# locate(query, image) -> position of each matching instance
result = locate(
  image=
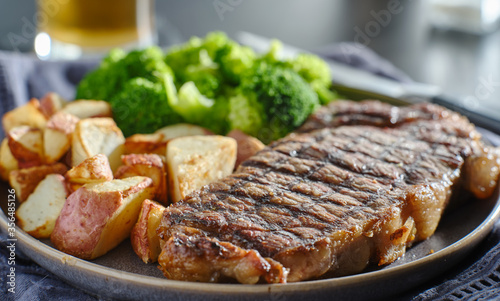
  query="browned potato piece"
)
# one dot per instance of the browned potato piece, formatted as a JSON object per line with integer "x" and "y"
{"x": 182, "y": 130}
{"x": 195, "y": 161}
{"x": 24, "y": 181}
{"x": 37, "y": 215}
{"x": 57, "y": 136}
{"x": 94, "y": 136}
{"x": 28, "y": 114}
{"x": 51, "y": 103}
{"x": 145, "y": 144}
{"x": 247, "y": 145}
{"x": 88, "y": 108}
{"x": 95, "y": 169}
{"x": 148, "y": 165}
{"x": 143, "y": 238}
{"x": 8, "y": 162}
{"x": 156, "y": 142}
{"x": 26, "y": 145}
{"x": 99, "y": 216}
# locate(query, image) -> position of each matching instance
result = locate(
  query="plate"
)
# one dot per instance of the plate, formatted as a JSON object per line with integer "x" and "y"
{"x": 121, "y": 274}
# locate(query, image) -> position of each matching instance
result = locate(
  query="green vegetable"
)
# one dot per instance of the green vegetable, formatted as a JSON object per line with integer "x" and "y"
{"x": 234, "y": 60}
{"x": 142, "y": 107}
{"x": 271, "y": 102}
{"x": 316, "y": 72}
{"x": 189, "y": 102}
{"x": 213, "y": 82}
{"x": 117, "y": 68}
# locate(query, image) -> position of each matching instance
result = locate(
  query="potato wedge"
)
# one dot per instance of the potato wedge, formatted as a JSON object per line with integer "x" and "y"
{"x": 25, "y": 180}
{"x": 88, "y": 108}
{"x": 182, "y": 130}
{"x": 26, "y": 145}
{"x": 95, "y": 169}
{"x": 145, "y": 144}
{"x": 28, "y": 114}
{"x": 156, "y": 143}
{"x": 38, "y": 214}
{"x": 51, "y": 103}
{"x": 94, "y": 136}
{"x": 57, "y": 136}
{"x": 147, "y": 165}
{"x": 247, "y": 145}
{"x": 97, "y": 217}
{"x": 144, "y": 240}
{"x": 8, "y": 162}
{"x": 195, "y": 161}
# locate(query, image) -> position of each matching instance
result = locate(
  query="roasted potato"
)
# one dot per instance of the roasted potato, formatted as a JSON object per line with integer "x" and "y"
{"x": 195, "y": 161}
{"x": 88, "y": 108}
{"x": 95, "y": 169}
{"x": 147, "y": 165}
{"x": 143, "y": 238}
{"x": 25, "y": 180}
{"x": 57, "y": 136}
{"x": 38, "y": 214}
{"x": 99, "y": 216}
{"x": 28, "y": 114}
{"x": 26, "y": 145}
{"x": 94, "y": 136}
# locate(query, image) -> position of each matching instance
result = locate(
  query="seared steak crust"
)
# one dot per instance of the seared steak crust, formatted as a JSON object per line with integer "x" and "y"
{"x": 358, "y": 183}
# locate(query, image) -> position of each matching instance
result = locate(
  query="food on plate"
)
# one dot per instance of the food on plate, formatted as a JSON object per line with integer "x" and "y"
{"x": 142, "y": 107}
{"x": 28, "y": 114}
{"x": 8, "y": 162}
{"x": 195, "y": 161}
{"x": 357, "y": 184}
{"x": 25, "y": 180}
{"x": 98, "y": 216}
{"x": 156, "y": 143}
{"x": 26, "y": 145}
{"x": 57, "y": 136}
{"x": 147, "y": 165}
{"x": 194, "y": 83}
{"x": 37, "y": 215}
{"x": 271, "y": 102}
{"x": 88, "y": 108}
{"x": 51, "y": 103}
{"x": 144, "y": 240}
{"x": 95, "y": 169}
{"x": 94, "y": 136}
{"x": 247, "y": 146}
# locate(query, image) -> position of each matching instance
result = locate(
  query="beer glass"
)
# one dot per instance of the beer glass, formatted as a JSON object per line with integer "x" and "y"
{"x": 71, "y": 29}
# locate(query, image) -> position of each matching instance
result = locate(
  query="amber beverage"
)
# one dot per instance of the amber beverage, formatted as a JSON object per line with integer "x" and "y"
{"x": 97, "y": 25}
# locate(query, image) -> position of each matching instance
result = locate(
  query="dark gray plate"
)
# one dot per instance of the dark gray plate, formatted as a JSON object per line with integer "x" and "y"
{"x": 121, "y": 274}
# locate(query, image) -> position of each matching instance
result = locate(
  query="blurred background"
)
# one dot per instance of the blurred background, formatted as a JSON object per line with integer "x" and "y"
{"x": 429, "y": 40}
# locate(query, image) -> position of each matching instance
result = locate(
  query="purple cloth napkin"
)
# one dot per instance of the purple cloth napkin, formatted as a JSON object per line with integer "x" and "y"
{"x": 23, "y": 77}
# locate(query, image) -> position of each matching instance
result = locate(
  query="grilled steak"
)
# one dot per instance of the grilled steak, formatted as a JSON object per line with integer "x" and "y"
{"x": 358, "y": 183}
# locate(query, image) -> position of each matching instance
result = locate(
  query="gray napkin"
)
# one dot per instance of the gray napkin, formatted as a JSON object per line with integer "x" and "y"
{"x": 23, "y": 77}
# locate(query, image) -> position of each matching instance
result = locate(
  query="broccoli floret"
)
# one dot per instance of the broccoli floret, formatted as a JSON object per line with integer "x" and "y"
{"x": 271, "y": 102}
{"x": 99, "y": 84}
{"x": 142, "y": 107}
{"x": 189, "y": 54}
{"x": 118, "y": 68}
{"x": 146, "y": 63}
{"x": 316, "y": 72}
{"x": 189, "y": 102}
{"x": 273, "y": 56}
{"x": 113, "y": 56}
{"x": 234, "y": 60}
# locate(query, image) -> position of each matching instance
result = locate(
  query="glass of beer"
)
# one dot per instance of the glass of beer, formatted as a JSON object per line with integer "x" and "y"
{"x": 71, "y": 29}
